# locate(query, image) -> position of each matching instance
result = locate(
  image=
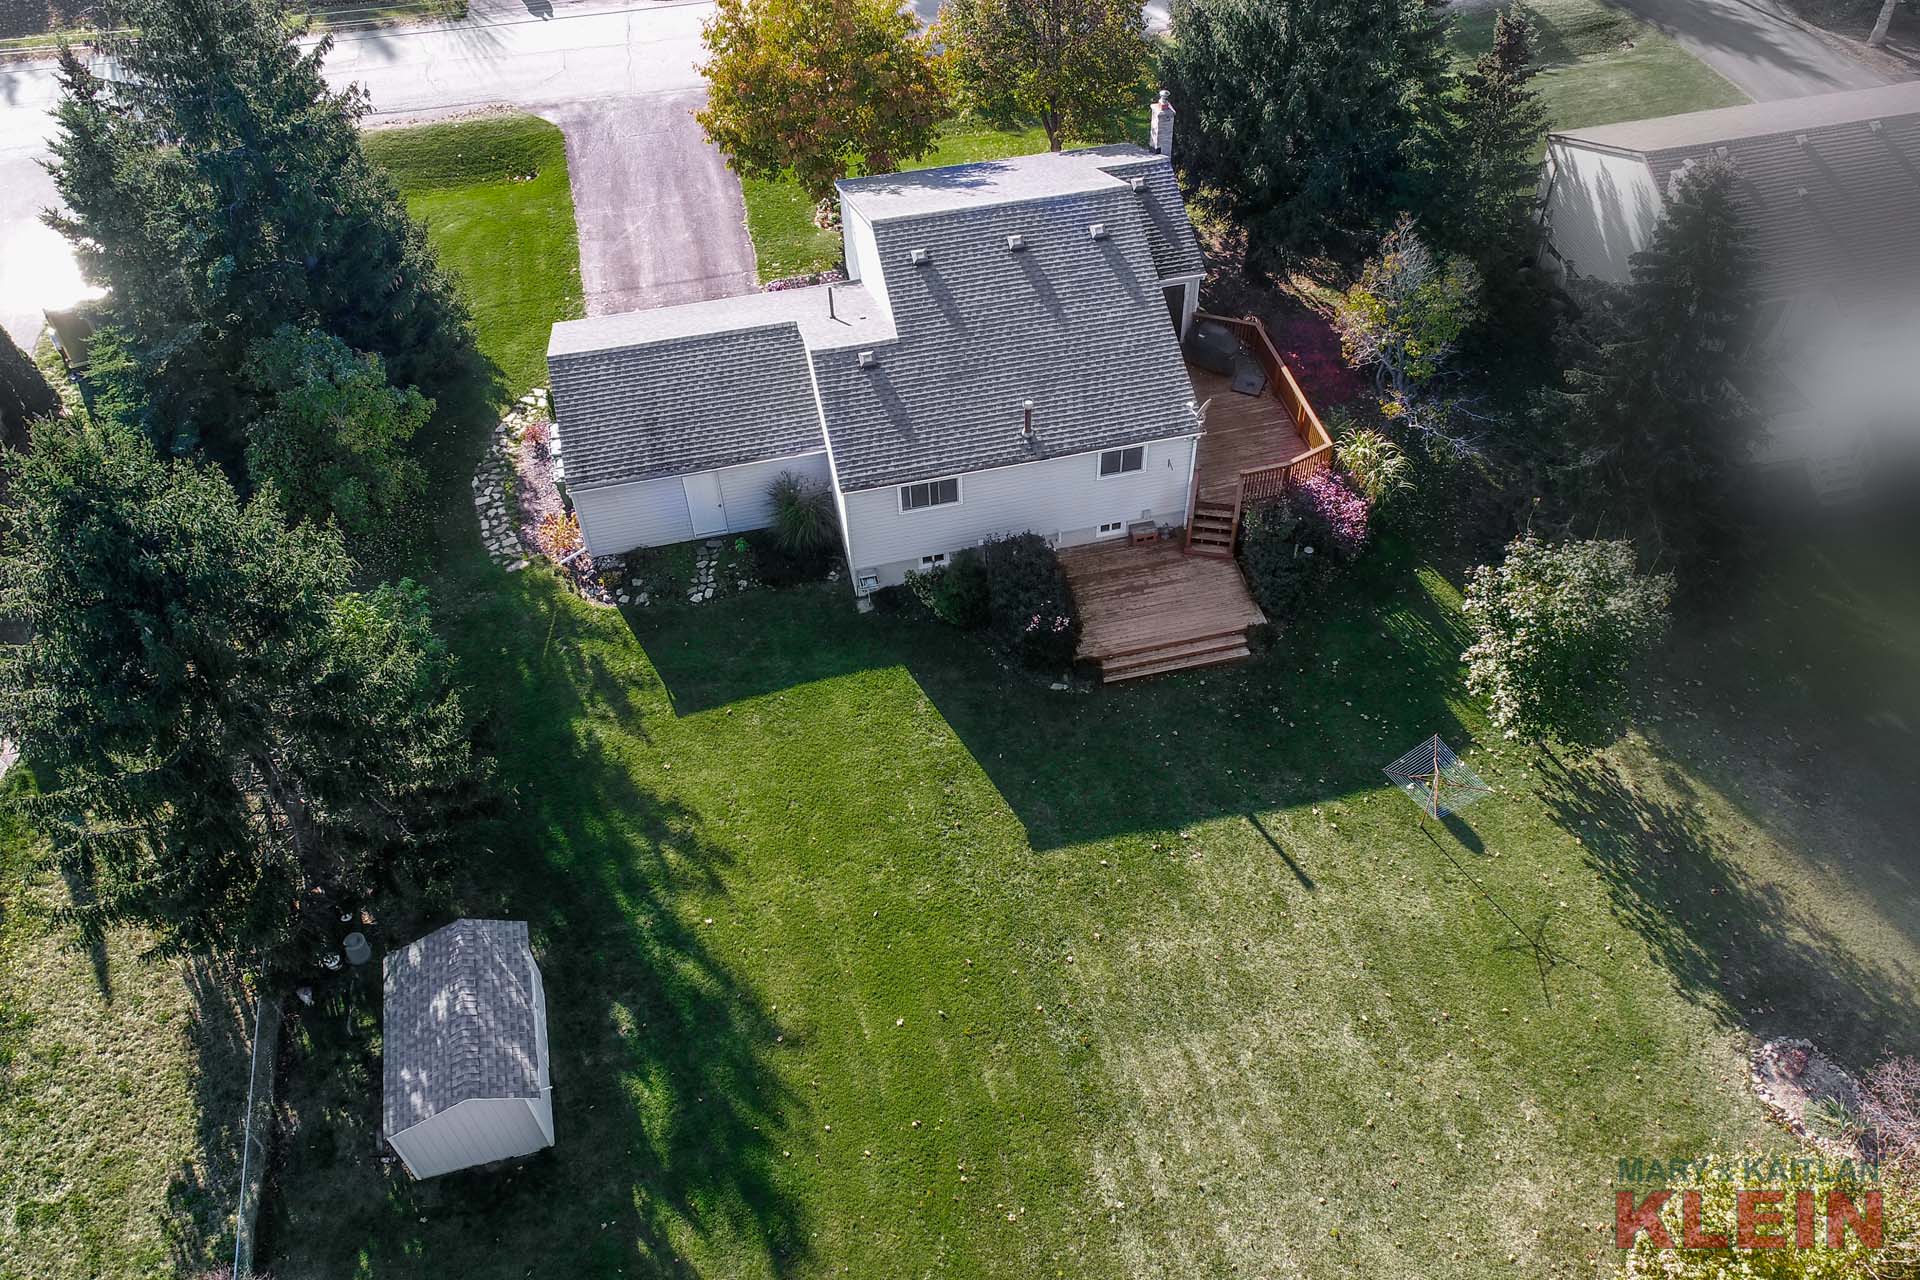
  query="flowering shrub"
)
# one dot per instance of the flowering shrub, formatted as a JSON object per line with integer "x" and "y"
{"x": 1555, "y": 629}
{"x": 559, "y": 536}
{"x": 1333, "y": 515}
{"x": 1030, "y": 610}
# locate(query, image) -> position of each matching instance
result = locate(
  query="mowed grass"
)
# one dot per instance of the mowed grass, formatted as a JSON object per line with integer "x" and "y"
{"x": 780, "y": 216}
{"x": 494, "y": 197}
{"x": 866, "y": 956}
{"x": 1600, "y": 64}
{"x": 122, "y": 1084}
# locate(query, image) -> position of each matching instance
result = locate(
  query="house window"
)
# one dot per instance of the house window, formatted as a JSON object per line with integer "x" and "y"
{"x": 938, "y": 557}
{"x": 1118, "y": 462}
{"x": 1113, "y": 529}
{"x": 930, "y": 493}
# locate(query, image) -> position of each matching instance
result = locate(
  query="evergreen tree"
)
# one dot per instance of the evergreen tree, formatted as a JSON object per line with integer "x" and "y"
{"x": 332, "y": 435}
{"x": 1657, "y": 428}
{"x": 1499, "y": 126}
{"x": 24, "y": 394}
{"x": 217, "y": 186}
{"x": 1312, "y": 118}
{"x": 234, "y": 747}
{"x": 1073, "y": 67}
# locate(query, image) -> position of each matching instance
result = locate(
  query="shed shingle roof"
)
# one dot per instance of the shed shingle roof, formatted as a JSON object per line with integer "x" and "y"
{"x": 458, "y": 1021}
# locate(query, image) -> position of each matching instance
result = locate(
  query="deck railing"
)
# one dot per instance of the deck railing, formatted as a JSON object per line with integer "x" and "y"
{"x": 1269, "y": 479}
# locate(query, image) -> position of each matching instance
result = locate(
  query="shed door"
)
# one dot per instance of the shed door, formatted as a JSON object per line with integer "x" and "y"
{"x": 708, "y": 512}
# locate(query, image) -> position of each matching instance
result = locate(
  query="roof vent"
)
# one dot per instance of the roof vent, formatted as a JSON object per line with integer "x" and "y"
{"x": 1800, "y": 139}
{"x": 1874, "y": 126}
{"x": 1016, "y": 242}
{"x": 919, "y": 257}
{"x": 1026, "y": 419}
{"x": 867, "y": 360}
{"x": 1139, "y": 185}
{"x": 1722, "y": 152}
{"x": 1097, "y": 231}
{"x": 1802, "y": 192}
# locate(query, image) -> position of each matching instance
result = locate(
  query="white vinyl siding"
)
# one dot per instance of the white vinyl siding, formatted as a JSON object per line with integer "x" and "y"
{"x": 653, "y": 513}
{"x": 1059, "y": 497}
{"x": 474, "y": 1132}
{"x": 1602, "y": 209}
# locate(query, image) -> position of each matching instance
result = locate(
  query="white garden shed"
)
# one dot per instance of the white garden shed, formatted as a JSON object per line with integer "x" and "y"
{"x": 464, "y": 1033}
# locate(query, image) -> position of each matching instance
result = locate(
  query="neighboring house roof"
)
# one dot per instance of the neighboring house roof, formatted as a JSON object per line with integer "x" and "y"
{"x": 1829, "y": 184}
{"x": 459, "y": 1021}
{"x": 1076, "y": 324}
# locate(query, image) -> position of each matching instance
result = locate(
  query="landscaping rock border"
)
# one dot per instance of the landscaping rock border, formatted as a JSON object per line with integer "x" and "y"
{"x": 499, "y": 520}
{"x": 1790, "y": 1076}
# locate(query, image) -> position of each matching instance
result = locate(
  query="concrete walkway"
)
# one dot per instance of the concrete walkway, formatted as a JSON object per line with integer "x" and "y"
{"x": 1755, "y": 46}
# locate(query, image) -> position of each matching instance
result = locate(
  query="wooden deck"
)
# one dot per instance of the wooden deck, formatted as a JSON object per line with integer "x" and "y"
{"x": 1148, "y": 610}
{"x": 1243, "y": 433}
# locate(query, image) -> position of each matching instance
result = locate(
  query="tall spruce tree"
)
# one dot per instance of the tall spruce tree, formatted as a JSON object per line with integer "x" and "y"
{"x": 1656, "y": 424}
{"x": 24, "y": 394}
{"x": 233, "y": 747}
{"x": 1499, "y": 126}
{"x": 1314, "y": 119}
{"x": 217, "y": 186}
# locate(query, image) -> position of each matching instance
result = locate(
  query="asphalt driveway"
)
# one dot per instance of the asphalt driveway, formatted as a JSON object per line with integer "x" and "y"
{"x": 661, "y": 218}
{"x": 1750, "y": 43}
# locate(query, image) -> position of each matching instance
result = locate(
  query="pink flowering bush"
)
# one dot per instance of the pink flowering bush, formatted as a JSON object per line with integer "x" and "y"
{"x": 1331, "y": 511}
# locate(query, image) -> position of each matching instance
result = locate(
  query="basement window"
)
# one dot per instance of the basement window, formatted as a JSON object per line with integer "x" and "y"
{"x": 937, "y": 558}
{"x": 1112, "y": 529}
{"x": 930, "y": 493}
{"x": 1118, "y": 462}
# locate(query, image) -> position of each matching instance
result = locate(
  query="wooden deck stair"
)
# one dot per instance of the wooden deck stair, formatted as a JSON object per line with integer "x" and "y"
{"x": 1146, "y": 611}
{"x": 1210, "y": 529}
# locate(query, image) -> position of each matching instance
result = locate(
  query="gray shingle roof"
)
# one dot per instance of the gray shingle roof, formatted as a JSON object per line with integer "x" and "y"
{"x": 1829, "y": 185}
{"x": 693, "y": 402}
{"x": 1077, "y": 325}
{"x": 458, "y": 1021}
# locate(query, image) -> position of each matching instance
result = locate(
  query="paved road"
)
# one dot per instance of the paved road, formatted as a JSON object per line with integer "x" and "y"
{"x": 634, "y": 64}
{"x": 1751, "y": 44}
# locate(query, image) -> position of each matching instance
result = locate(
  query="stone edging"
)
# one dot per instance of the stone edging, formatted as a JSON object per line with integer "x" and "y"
{"x": 500, "y": 525}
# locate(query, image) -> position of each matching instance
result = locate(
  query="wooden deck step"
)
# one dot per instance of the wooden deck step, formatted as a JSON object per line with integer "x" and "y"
{"x": 1210, "y": 529}
{"x": 1175, "y": 657}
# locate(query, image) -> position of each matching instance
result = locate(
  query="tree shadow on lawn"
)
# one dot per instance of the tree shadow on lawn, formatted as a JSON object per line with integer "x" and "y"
{"x": 1341, "y": 695}
{"x": 202, "y": 1196}
{"x": 666, "y": 1113}
{"x": 1733, "y": 944}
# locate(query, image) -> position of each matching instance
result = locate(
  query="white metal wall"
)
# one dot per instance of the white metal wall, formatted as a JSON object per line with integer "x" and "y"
{"x": 1602, "y": 209}
{"x": 474, "y": 1132}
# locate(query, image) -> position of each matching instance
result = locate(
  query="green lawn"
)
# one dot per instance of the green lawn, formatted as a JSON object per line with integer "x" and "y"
{"x": 864, "y": 956}
{"x": 780, "y": 217}
{"x": 494, "y": 196}
{"x": 1601, "y": 64}
{"x": 122, "y": 1083}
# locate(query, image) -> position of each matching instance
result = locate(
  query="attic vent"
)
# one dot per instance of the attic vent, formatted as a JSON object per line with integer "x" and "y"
{"x": 1801, "y": 192}
{"x": 1098, "y": 231}
{"x": 1016, "y": 242}
{"x": 1874, "y": 126}
{"x": 1139, "y": 185}
{"x": 919, "y": 257}
{"x": 1722, "y": 152}
{"x": 1800, "y": 139}
{"x": 866, "y": 360}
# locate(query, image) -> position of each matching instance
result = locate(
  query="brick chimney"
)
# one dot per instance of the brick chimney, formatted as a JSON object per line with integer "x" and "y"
{"x": 1160, "y": 131}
